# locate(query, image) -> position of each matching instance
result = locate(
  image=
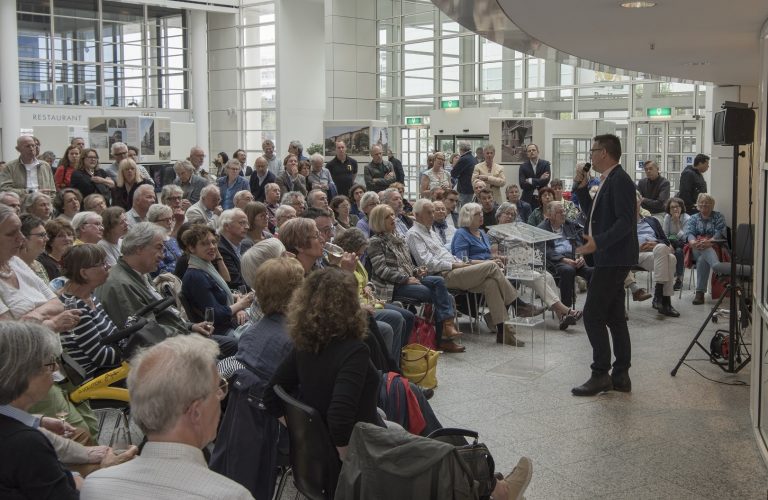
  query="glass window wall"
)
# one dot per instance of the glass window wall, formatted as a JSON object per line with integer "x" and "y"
{"x": 104, "y": 53}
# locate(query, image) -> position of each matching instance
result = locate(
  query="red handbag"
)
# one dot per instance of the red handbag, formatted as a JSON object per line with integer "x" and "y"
{"x": 424, "y": 330}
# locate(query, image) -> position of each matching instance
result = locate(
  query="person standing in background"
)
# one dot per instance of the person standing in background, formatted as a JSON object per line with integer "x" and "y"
{"x": 692, "y": 183}
{"x": 534, "y": 174}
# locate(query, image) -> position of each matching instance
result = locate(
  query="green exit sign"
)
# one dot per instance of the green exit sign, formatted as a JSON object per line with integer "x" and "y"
{"x": 659, "y": 111}
{"x": 413, "y": 120}
{"x": 449, "y": 104}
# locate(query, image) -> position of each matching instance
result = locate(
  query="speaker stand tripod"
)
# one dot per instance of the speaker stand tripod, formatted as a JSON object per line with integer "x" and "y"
{"x": 737, "y": 349}
{"x": 738, "y": 306}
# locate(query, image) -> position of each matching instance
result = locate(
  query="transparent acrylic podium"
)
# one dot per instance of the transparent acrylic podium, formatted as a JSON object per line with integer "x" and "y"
{"x": 526, "y": 260}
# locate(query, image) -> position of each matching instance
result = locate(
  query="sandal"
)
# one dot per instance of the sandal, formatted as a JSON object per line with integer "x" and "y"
{"x": 570, "y": 319}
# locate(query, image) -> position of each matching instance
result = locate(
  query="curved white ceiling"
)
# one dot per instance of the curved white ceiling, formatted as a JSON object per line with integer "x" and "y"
{"x": 697, "y": 40}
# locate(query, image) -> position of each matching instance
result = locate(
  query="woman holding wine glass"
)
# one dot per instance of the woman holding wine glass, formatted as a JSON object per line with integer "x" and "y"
{"x": 204, "y": 288}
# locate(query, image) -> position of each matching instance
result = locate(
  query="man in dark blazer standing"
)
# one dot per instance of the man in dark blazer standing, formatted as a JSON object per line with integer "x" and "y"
{"x": 534, "y": 174}
{"x": 611, "y": 240}
{"x": 462, "y": 172}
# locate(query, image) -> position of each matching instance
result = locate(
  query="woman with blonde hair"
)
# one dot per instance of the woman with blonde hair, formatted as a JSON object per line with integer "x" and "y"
{"x": 395, "y": 275}
{"x": 437, "y": 176}
{"x": 129, "y": 178}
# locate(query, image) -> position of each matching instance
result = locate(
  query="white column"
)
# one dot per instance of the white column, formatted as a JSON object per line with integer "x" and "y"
{"x": 10, "y": 112}
{"x": 198, "y": 53}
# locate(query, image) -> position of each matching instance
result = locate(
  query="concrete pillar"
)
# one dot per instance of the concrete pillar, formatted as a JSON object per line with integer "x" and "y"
{"x": 198, "y": 53}
{"x": 10, "y": 112}
{"x": 350, "y": 58}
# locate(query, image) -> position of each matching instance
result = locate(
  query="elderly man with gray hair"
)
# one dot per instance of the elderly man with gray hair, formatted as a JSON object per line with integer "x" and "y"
{"x": 143, "y": 198}
{"x": 233, "y": 228}
{"x": 12, "y": 200}
{"x": 463, "y": 171}
{"x": 127, "y": 288}
{"x": 190, "y": 183}
{"x": 176, "y": 396}
{"x": 296, "y": 200}
{"x": 319, "y": 176}
{"x": 207, "y": 210}
{"x": 297, "y": 149}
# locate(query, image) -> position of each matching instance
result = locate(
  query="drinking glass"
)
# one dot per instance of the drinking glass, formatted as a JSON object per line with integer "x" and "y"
{"x": 209, "y": 315}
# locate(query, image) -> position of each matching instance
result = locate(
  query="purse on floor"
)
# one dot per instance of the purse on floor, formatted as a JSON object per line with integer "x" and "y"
{"x": 475, "y": 455}
{"x": 419, "y": 365}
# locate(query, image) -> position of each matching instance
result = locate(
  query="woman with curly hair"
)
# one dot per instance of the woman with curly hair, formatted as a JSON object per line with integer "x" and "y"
{"x": 329, "y": 359}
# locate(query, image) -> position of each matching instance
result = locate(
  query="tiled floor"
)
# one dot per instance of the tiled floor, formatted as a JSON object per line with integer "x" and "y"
{"x": 672, "y": 437}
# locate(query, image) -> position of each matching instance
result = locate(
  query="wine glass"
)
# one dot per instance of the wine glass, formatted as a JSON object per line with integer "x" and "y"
{"x": 121, "y": 440}
{"x": 465, "y": 257}
{"x": 70, "y": 303}
{"x": 209, "y": 315}
{"x": 334, "y": 252}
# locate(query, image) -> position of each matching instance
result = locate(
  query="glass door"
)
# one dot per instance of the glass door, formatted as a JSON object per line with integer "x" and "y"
{"x": 671, "y": 144}
{"x": 414, "y": 145}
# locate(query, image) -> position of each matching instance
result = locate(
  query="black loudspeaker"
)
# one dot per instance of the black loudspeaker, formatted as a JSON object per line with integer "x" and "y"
{"x": 734, "y": 127}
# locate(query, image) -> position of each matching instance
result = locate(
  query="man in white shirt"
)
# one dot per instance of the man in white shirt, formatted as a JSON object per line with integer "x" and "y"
{"x": 478, "y": 276}
{"x": 207, "y": 210}
{"x": 27, "y": 174}
{"x": 176, "y": 396}
{"x": 143, "y": 198}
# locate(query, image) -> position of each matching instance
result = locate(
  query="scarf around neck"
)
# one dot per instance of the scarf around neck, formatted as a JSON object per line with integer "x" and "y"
{"x": 196, "y": 262}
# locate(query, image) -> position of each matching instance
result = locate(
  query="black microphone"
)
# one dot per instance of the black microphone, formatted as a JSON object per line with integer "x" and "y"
{"x": 587, "y": 166}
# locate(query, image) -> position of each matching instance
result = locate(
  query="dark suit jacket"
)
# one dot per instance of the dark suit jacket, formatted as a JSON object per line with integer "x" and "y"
{"x": 526, "y": 172}
{"x": 656, "y": 192}
{"x": 571, "y": 232}
{"x": 463, "y": 172}
{"x": 257, "y": 190}
{"x": 232, "y": 262}
{"x": 398, "y": 166}
{"x": 614, "y": 220}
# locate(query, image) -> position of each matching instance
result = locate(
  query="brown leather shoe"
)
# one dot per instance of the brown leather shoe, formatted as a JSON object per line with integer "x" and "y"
{"x": 529, "y": 310}
{"x": 449, "y": 330}
{"x": 510, "y": 339}
{"x": 698, "y": 299}
{"x": 640, "y": 295}
{"x": 450, "y": 346}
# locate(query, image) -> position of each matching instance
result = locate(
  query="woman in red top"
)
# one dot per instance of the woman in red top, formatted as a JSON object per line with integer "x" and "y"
{"x": 67, "y": 165}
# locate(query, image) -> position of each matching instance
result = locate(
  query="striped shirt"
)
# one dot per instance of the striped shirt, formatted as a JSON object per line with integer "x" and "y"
{"x": 83, "y": 344}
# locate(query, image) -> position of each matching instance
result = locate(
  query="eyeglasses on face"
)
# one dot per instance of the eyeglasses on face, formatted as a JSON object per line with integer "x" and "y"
{"x": 52, "y": 366}
{"x": 223, "y": 388}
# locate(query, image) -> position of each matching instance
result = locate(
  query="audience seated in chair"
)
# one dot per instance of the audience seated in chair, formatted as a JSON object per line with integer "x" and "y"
{"x": 479, "y": 276}
{"x": 561, "y": 253}
{"x": 395, "y": 276}
{"x": 127, "y": 289}
{"x": 674, "y": 227}
{"x": 705, "y": 231}
{"x": 204, "y": 288}
{"x": 657, "y": 255}
{"x": 176, "y": 396}
{"x": 252, "y": 462}
{"x": 471, "y": 241}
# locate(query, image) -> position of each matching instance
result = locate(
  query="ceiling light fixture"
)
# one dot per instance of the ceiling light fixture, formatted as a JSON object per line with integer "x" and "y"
{"x": 638, "y": 5}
